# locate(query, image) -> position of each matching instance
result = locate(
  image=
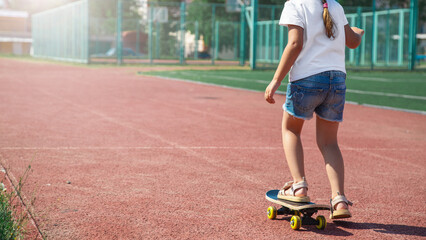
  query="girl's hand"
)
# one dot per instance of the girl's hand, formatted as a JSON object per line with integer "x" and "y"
{"x": 270, "y": 91}
{"x": 353, "y": 36}
{"x": 358, "y": 31}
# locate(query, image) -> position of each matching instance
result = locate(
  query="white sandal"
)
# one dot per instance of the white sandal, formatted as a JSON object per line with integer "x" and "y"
{"x": 293, "y": 187}
{"x": 341, "y": 213}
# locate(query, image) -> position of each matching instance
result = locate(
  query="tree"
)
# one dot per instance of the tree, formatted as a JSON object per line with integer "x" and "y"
{"x": 202, "y": 12}
{"x": 103, "y": 15}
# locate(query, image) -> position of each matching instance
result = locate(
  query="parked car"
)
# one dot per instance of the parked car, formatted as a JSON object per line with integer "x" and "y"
{"x": 126, "y": 52}
{"x": 201, "y": 55}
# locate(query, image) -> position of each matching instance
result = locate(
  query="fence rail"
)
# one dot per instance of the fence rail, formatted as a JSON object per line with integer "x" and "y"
{"x": 127, "y": 31}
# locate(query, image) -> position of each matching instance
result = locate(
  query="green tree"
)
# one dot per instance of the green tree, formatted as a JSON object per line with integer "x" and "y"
{"x": 103, "y": 14}
{"x": 201, "y": 11}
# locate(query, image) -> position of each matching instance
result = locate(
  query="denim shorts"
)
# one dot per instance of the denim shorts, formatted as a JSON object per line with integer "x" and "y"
{"x": 322, "y": 93}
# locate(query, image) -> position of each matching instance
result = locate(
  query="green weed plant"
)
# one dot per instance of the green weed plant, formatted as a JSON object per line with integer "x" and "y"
{"x": 13, "y": 217}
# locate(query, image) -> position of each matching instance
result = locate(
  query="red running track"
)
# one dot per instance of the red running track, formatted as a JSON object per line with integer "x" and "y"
{"x": 120, "y": 156}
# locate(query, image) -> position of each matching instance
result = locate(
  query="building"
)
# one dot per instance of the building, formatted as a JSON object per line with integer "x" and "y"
{"x": 15, "y": 34}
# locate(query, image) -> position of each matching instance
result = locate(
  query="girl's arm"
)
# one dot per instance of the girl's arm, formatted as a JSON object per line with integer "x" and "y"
{"x": 353, "y": 36}
{"x": 290, "y": 54}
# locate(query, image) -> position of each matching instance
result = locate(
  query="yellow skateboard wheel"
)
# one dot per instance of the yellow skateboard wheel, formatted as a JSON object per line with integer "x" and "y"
{"x": 272, "y": 212}
{"x": 295, "y": 222}
{"x": 322, "y": 223}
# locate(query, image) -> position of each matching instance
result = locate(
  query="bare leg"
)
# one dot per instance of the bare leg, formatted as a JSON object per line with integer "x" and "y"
{"x": 327, "y": 143}
{"x": 291, "y": 129}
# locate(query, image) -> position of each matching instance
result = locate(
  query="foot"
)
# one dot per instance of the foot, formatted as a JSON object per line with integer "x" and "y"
{"x": 339, "y": 207}
{"x": 296, "y": 192}
{"x": 301, "y": 192}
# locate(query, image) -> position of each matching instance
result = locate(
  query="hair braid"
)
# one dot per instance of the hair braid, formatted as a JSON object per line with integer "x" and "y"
{"x": 328, "y": 21}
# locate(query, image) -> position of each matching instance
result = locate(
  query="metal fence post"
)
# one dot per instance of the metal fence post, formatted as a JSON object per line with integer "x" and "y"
{"x": 387, "y": 54}
{"x": 358, "y": 49}
{"x": 267, "y": 41}
{"x": 213, "y": 32}
{"x": 373, "y": 43}
{"x": 157, "y": 39}
{"x": 274, "y": 37}
{"x": 182, "y": 33}
{"x": 87, "y": 32}
{"x": 150, "y": 20}
{"x": 95, "y": 30}
{"x": 281, "y": 42}
{"x": 196, "y": 41}
{"x": 235, "y": 41}
{"x": 216, "y": 41}
{"x": 375, "y": 37}
{"x": 412, "y": 47}
{"x": 401, "y": 39}
{"x": 119, "y": 45}
{"x": 242, "y": 35}
{"x": 253, "y": 34}
{"x": 138, "y": 33}
{"x": 73, "y": 35}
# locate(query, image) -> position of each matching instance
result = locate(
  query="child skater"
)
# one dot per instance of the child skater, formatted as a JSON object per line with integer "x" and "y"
{"x": 315, "y": 56}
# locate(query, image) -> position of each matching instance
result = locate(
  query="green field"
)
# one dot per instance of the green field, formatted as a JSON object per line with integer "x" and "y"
{"x": 402, "y": 90}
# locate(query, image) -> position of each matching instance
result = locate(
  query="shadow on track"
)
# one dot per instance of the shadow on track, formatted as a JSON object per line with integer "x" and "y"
{"x": 337, "y": 228}
{"x": 385, "y": 228}
{"x": 331, "y": 229}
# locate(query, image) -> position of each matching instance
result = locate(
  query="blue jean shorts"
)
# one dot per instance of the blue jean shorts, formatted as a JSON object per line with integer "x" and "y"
{"x": 322, "y": 93}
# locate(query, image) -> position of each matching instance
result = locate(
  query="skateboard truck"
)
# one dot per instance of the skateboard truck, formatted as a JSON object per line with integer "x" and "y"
{"x": 304, "y": 215}
{"x": 301, "y": 212}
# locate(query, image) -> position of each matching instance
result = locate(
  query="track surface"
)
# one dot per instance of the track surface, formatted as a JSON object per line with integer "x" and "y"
{"x": 150, "y": 158}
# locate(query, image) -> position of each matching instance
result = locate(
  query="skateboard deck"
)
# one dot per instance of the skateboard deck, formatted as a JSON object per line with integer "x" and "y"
{"x": 302, "y": 212}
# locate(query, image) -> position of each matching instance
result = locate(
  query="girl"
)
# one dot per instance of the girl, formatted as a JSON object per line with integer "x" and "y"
{"x": 315, "y": 56}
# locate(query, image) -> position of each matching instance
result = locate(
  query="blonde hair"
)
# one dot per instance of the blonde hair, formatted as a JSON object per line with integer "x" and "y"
{"x": 328, "y": 21}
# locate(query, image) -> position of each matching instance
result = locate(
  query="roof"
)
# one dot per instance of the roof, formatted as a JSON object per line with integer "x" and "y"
{"x": 12, "y": 13}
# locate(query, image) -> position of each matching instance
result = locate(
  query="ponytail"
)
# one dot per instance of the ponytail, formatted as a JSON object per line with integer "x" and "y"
{"x": 328, "y": 21}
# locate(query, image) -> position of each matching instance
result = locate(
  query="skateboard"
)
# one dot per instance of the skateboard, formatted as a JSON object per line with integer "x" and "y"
{"x": 301, "y": 212}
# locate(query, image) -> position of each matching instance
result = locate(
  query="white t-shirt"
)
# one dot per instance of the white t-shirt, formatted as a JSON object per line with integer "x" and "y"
{"x": 319, "y": 53}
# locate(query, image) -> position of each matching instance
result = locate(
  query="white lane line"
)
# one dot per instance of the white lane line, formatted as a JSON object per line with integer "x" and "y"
{"x": 376, "y": 79}
{"x": 203, "y": 83}
{"x": 283, "y": 93}
{"x": 209, "y": 113}
{"x": 368, "y": 79}
{"x": 226, "y": 77}
{"x": 386, "y": 158}
{"x": 212, "y": 161}
{"x": 386, "y": 94}
{"x": 137, "y": 147}
{"x": 192, "y": 147}
{"x": 392, "y": 108}
{"x": 349, "y": 77}
{"x": 284, "y": 84}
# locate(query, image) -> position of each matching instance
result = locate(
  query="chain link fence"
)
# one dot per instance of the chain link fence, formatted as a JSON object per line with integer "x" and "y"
{"x": 133, "y": 31}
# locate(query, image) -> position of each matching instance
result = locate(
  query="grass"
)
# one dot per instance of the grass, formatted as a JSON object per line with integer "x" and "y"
{"x": 13, "y": 218}
{"x": 9, "y": 227}
{"x": 396, "y": 89}
{"x": 403, "y": 89}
